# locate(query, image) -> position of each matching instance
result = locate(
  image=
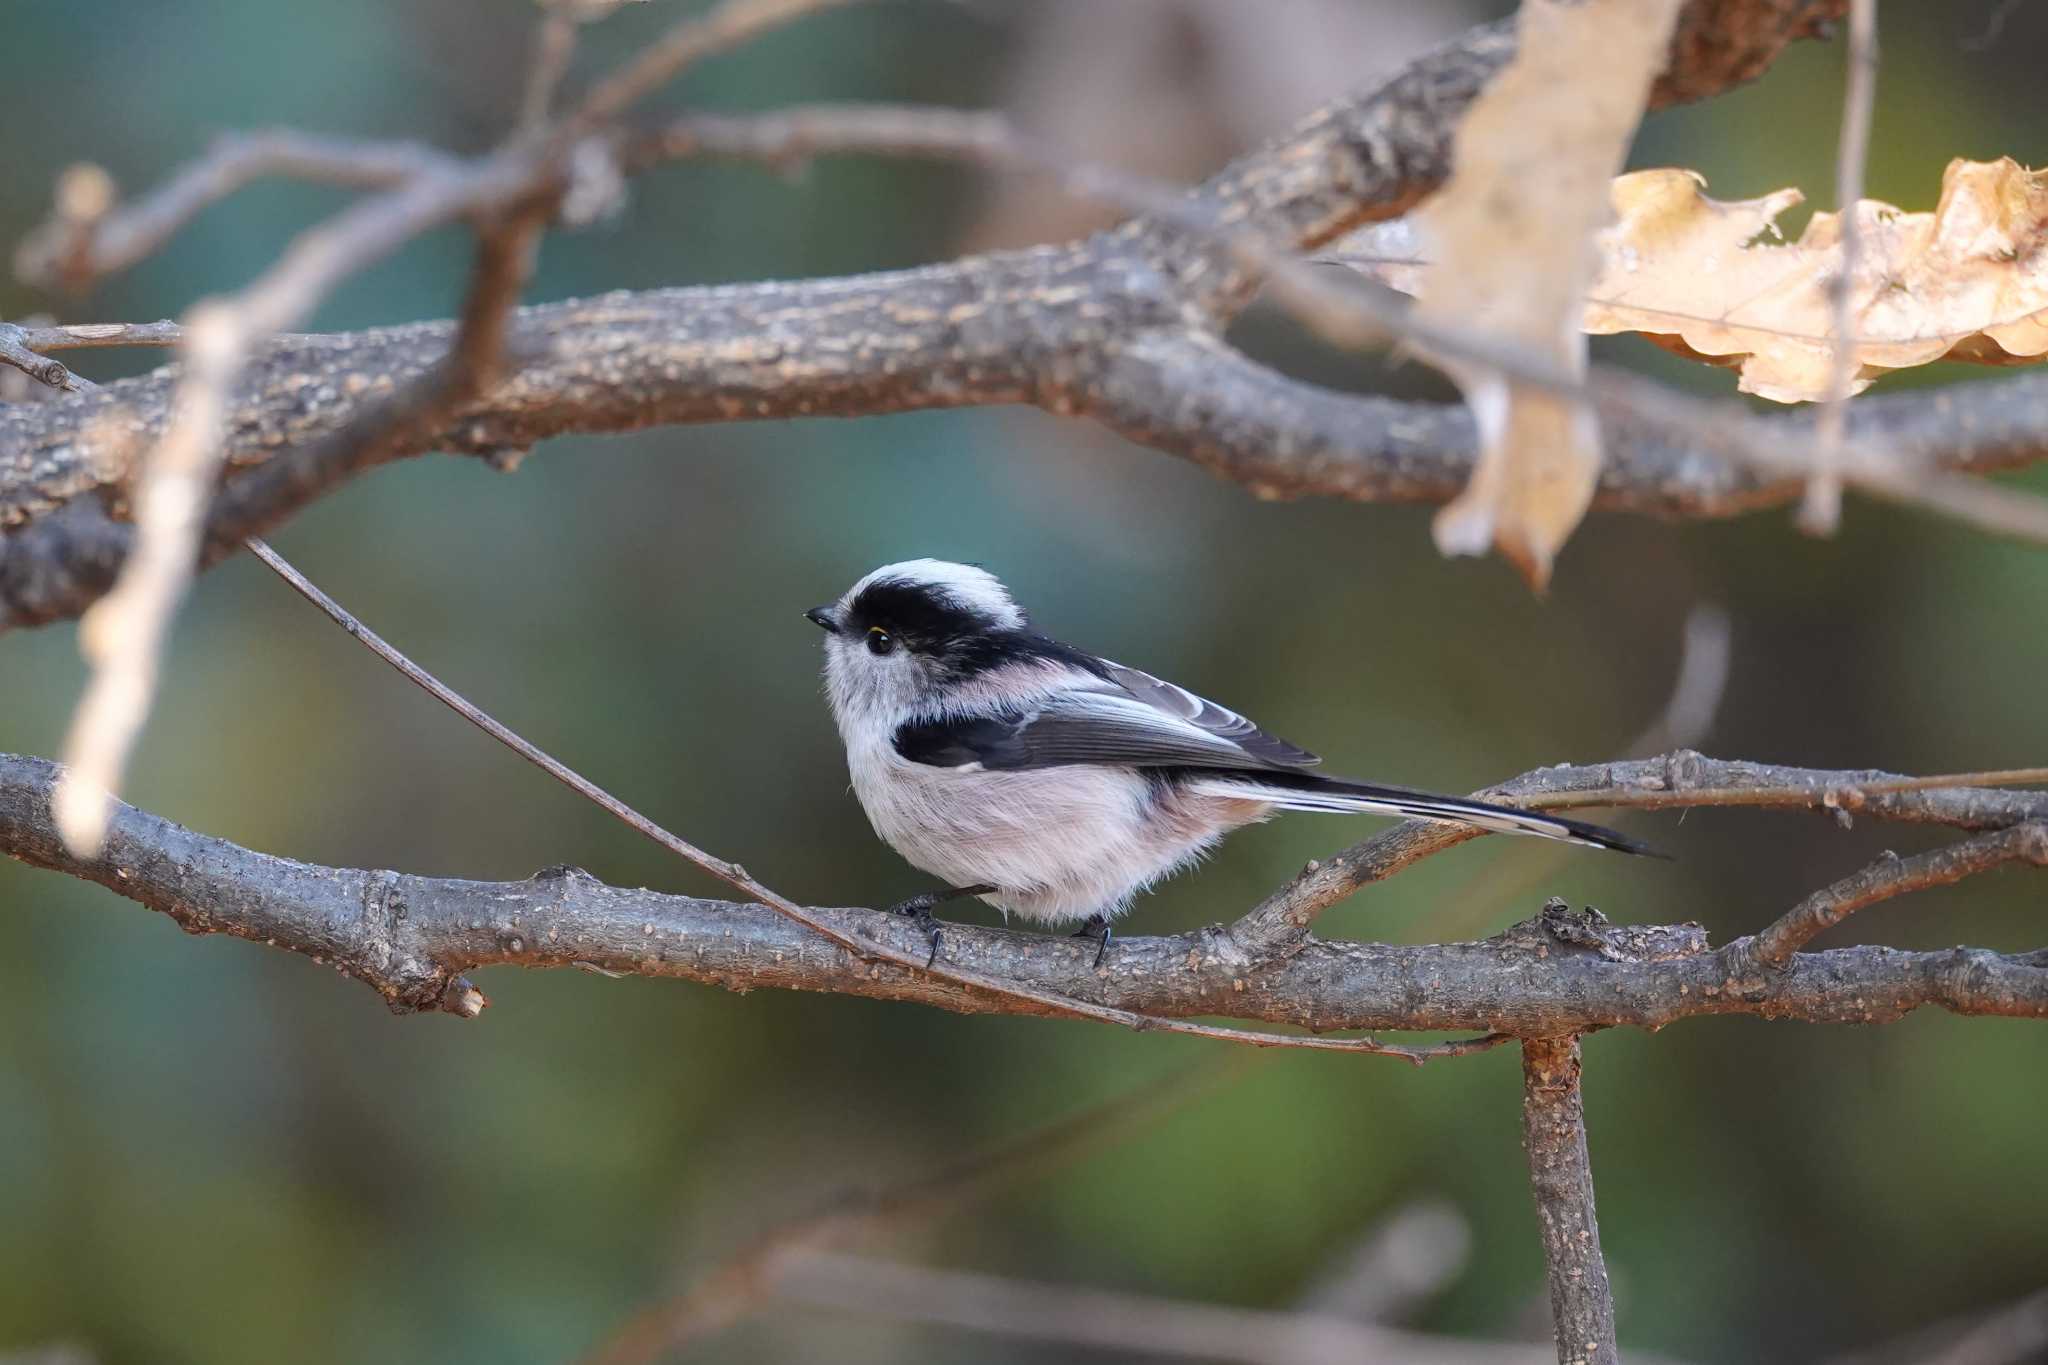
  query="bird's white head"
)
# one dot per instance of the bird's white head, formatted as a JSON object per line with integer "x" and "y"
{"x": 895, "y": 638}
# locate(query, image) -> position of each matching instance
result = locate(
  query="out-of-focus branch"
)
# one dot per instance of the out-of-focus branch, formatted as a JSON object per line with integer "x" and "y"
{"x": 510, "y": 193}
{"x": 1043, "y": 327}
{"x": 1561, "y": 1174}
{"x": 90, "y": 237}
{"x": 1099, "y": 1320}
{"x": 411, "y": 937}
{"x": 89, "y": 335}
{"x": 123, "y": 637}
{"x": 476, "y": 360}
{"x": 737, "y": 1286}
{"x": 1821, "y": 509}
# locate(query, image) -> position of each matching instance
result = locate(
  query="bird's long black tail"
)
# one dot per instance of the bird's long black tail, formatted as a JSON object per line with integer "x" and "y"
{"x": 1310, "y": 791}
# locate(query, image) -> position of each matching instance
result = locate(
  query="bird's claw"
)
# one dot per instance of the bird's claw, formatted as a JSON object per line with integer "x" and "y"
{"x": 1096, "y": 927}
{"x": 919, "y": 909}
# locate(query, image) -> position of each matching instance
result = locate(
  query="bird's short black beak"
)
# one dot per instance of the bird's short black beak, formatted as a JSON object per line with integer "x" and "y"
{"x": 822, "y": 618}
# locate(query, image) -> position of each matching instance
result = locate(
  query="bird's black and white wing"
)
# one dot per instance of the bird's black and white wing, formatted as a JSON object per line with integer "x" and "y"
{"x": 1113, "y": 716}
{"x": 1116, "y": 716}
{"x": 1205, "y": 715}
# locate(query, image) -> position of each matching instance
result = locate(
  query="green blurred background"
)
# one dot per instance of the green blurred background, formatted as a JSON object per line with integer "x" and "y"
{"x": 213, "y": 1152}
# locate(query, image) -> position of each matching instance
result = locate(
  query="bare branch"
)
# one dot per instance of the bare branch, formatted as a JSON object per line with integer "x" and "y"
{"x": 737, "y": 877}
{"x": 1821, "y": 510}
{"x": 1554, "y": 1135}
{"x": 1038, "y": 326}
{"x": 410, "y": 937}
{"x": 1098, "y": 1320}
{"x": 735, "y": 1287}
{"x": 1681, "y": 779}
{"x": 1892, "y": 876}
{"x": 82, "y": 335}
{"x": 246, "y": 507}
{"x": 1698, "y": 686}
{"x": 15, "y": 350}
{"x": 75, "y": 250}
{"x": 123, "y": 638}
{"x": 554, "y": 45}
{"x": 732, "y": 24}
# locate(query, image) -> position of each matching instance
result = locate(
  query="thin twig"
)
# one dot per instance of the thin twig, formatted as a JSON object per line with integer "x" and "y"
{"x": 1560, "y": 1173}
{"x": 1396, "y": 1268}
{"x": 123, "y": 634}
{"x": 17, "y": 350}
{"x": 554, "y": 44}
{"x": 1821, "y": 511}
{"x": 1679, "y": 780}
{"x": 864, "y": 948}
{"x": 737, "y": 1285}
{"x": 1892, "y": 876}
{"x": 248, "y": 506}
{"x": 1697, "y": 686}
{"x": 75, "y": 251}
{"x": 1115, "y": 1324}
{"x": 80, "y": 335}
{"x": 730, "y": 25}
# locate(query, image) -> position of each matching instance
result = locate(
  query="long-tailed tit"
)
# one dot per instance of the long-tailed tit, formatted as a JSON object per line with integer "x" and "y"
{"x": 1049, "y": 782}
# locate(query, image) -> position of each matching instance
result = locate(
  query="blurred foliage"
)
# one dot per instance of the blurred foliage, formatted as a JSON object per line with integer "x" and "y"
{"x": 214, "y": 1152}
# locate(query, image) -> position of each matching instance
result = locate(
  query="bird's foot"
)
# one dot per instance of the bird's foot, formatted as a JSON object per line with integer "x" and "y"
{"x": 920, "y": 907}
{"x": 1097, "y": 928}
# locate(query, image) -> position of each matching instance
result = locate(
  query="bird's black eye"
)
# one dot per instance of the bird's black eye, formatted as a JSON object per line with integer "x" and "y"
{"x": 880, "y": 641}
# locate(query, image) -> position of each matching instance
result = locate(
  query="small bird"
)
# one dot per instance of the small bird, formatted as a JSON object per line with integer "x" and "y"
{"x": 1049, "y": 782}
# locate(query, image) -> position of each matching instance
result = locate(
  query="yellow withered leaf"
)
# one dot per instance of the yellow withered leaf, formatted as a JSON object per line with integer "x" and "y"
{"x": 1519, "y": 255}
{"x": 1714, "y": 281}
{"x": 1707, "y": 279}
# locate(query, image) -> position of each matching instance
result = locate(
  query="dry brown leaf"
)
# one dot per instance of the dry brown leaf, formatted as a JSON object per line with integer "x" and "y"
{"x": 1714, "y": 281}
{"x": 1518, "y": 253}
{"x": 1968, "y": 281}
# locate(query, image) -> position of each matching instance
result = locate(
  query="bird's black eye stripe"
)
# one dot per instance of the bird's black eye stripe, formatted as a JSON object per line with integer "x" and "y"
{"x": 880, "y": 641}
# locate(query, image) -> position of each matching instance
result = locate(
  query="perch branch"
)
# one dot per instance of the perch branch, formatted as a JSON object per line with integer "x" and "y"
{"x": 737, "y": 877}
{"x": 1561, "y": 1174}
{"x": 409, "y": 937}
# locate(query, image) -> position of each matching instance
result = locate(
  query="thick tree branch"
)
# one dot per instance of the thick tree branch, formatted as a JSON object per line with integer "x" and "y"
{"x": 1560, "y": 1172}
{"x": 411, "y": 938}
{"x": 1047, "y": 326}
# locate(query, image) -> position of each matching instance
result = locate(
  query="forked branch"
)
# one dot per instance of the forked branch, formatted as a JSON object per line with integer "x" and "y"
{"x": 411, "y": 938}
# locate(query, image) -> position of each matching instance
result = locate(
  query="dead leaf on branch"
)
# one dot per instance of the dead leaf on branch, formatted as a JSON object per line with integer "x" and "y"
{"x": 1714, "y": 281}
{"x": 1519, "y": 255}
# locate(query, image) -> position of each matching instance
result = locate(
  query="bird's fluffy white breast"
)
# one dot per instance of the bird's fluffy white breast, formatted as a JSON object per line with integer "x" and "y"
{"x": 1061, "y": 843}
